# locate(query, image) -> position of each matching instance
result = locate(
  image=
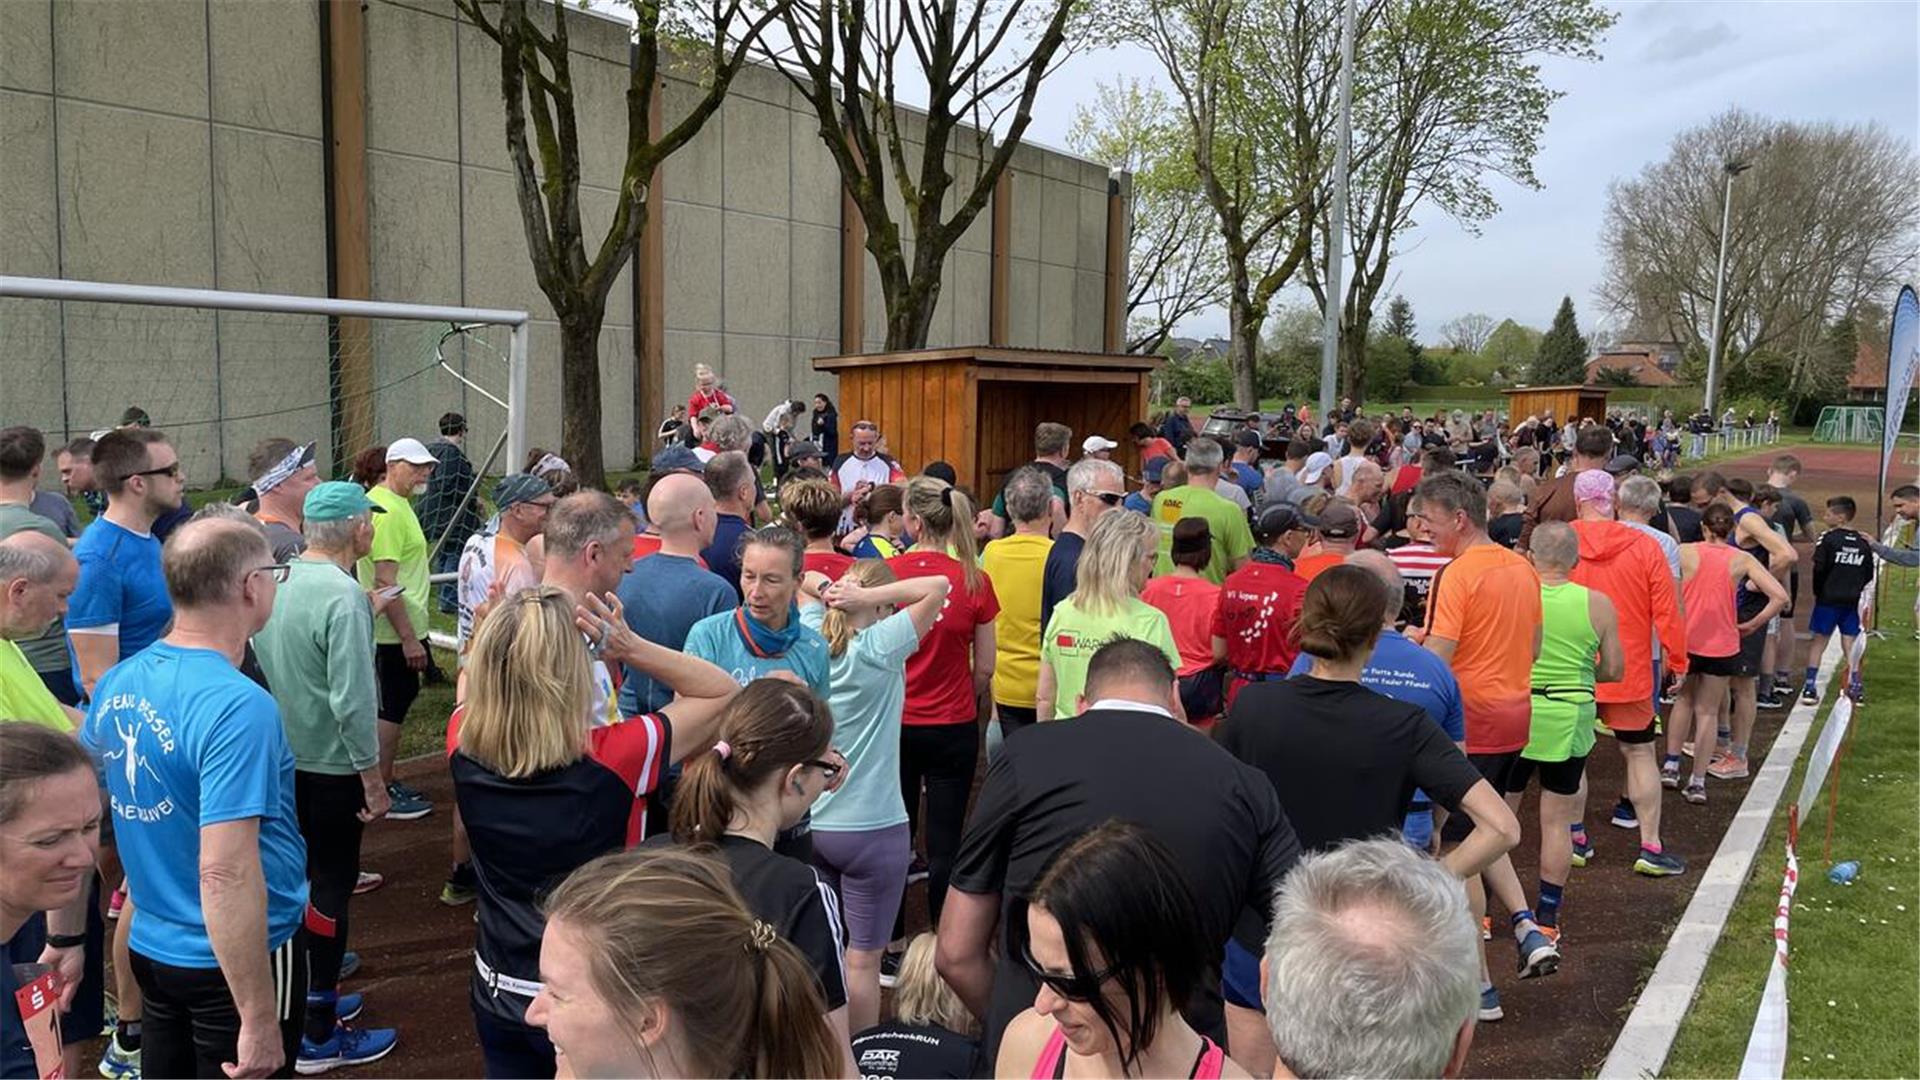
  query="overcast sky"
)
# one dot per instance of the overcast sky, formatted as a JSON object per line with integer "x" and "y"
{"x": 1666, "y": 65}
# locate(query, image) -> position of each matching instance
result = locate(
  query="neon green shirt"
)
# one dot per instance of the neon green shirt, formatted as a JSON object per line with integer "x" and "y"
{"x": 1563, "y": 707}
{"x": 23, "y": 696}
{"x": 1232, "y": 539}
{"x": 1075, "y": 634}
{"x": 397, "y": 538}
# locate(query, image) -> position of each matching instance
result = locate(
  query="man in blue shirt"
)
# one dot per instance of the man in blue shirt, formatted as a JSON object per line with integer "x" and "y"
{"x": 1407, "y": 672}
{"x": 120, "y": 605}
{"x": 667, "y": 592}
{"x": 731, "y": 482}
{"x": 200, "y": 782}
{"x": 1246, "y": 464}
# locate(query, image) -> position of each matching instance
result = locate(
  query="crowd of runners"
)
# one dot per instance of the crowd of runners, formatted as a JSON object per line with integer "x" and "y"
{"x": 1209, "y": 771}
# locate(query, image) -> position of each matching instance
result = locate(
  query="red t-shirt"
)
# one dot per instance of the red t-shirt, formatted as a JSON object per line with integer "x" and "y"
{"x": 1157, "y": 447}
{"x": 718, "y": 399}
{"x": 1189, "y": 604}
{"x": 940, "y": 674}
{"x": 1258, "y": 605}
{"x": 830, "y": 563}
{"x": 634, "y": 750}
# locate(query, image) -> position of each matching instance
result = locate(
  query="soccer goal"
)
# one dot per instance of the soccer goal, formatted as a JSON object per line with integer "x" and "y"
{"x": 1850, "y": 424}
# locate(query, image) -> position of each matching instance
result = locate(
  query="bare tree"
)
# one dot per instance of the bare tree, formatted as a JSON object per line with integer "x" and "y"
{"x": 982, "y": 63}
{"x": 1823, "y": 223}
{"x": 536, "y": 83}
{"x": 1176, "y": 259}
{"x": 1468, "y": 333}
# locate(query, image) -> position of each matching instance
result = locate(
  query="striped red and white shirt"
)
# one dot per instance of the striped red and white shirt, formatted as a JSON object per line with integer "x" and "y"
{"x": 1418, "y": 563}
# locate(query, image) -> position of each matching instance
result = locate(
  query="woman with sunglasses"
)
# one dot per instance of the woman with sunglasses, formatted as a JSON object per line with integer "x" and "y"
{"x": 1112, "y": 936}
{"x": 1105, "y": 605}
{"x": 772, "y": 759}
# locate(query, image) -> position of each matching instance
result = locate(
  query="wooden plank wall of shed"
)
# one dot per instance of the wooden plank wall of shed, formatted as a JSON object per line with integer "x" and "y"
{"x": 1009, "y": 411}
{"x": 925, "y": 410}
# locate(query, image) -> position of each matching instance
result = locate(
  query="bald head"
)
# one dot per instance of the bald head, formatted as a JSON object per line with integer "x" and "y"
{"x": 1377, "y": 564}
{"x": 674, "y": 501}
{"x": 34, "y": 556}
{"x": 37, "y": 574}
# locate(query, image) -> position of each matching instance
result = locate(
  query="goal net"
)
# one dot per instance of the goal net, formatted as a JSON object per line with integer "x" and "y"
{"x": 1850, "y": 424}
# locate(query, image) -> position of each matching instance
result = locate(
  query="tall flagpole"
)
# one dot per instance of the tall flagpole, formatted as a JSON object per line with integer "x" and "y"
{"x": 1337, "y": 225}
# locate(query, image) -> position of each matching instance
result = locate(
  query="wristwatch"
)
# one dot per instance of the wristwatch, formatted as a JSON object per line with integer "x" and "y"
{"x": 66, "y": 941}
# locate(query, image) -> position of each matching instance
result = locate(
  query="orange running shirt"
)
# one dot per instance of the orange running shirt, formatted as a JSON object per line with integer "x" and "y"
{"x": 1310, "y": 566}
{"x": 1488, "y": 601}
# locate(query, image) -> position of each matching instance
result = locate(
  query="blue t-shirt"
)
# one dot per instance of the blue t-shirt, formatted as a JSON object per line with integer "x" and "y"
{"x": 1249, "y": 479}
{"x": 723, "y": 555}
{"x": 1403, "y": 671}
{"x": 869, "y": 693}
{"x": 1137, "y": 503}
{"x": 1062, "y": 573}
{"x": 16, "y": 1051}
{"x": 717, "y": 640}
{"x": 663, "y": 596}
{"x": 185, "y": 741}
{"x": 121, "y": 584}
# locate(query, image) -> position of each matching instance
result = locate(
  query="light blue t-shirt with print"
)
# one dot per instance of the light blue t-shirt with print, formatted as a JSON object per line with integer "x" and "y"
{"x": 869, "y": 692}
{"x": 121, "y": 585}
{"x": 716, "y": 640}
{"x": 185, "y": 741}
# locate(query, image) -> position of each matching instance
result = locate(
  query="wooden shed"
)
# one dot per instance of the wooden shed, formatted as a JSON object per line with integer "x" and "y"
{"x": 976, "y": 406}
{"x": 1567, "y": 402}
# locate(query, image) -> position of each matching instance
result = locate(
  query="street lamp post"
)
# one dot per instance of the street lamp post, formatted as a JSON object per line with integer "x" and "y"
{"x": 1733, "y": 169}
{"x": 1337, "y": 224}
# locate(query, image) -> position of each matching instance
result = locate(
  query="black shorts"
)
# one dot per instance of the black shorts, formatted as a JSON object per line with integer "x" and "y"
{"x": 1559, "y": 777}
{"x": 1728, "y": 666}
{"x": 399, "y": 684}
{"x": 1752, "y": 645}
{"x": 1634, "y": 738}
{"x": 1500, "y": 770}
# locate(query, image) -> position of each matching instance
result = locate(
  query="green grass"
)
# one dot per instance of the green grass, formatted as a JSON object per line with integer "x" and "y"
{"x": 1854, "y": 982}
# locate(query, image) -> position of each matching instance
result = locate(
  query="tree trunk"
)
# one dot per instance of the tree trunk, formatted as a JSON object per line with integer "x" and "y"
{"x": 1353, "y": 365}
{"x": 580, "y": 441}
{"x": 910, "y": 314}
{"x": 1244, "y": 331}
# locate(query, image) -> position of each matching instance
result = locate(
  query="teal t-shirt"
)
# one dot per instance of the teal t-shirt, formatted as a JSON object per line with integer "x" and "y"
{"x": 869, "y": 691}
{"x": 317, "y": 652}
{"x": 716, "y": 640}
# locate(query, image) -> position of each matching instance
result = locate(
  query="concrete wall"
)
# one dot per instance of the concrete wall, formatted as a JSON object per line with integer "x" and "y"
{"x": 178, "y": 142}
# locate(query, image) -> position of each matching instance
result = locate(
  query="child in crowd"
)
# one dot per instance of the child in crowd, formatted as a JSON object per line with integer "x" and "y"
{"x": 1842, "y": 570}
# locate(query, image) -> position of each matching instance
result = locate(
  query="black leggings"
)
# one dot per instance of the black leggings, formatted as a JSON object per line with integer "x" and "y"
{"x": 190, "y": 1025}
{"x": 328, "y": 807}
{"x": 941, "y": 758}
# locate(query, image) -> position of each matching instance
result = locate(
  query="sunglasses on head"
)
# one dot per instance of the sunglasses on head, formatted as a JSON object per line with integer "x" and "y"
{"x": 1071, "y": 987}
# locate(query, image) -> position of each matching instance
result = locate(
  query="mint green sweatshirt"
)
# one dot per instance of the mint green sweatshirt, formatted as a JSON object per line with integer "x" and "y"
{"x": 317, "y": 651}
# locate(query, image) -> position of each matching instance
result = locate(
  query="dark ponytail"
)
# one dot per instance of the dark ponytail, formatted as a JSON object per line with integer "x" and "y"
{"x": 769, "y": 728}
{"x": 1342, "y": 613}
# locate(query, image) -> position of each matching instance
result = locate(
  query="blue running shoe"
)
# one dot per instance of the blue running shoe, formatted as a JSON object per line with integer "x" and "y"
{"x": 1538, "y": 955}
{"x": 349, "y": 963}
{"x": 1658, "y": 864}
{"x": 119, "y": 1063}
{"x": 1624, "y": 816}
{"x": 1582, "y": 849}
{"x": 348, "y": 1046}
{"x": 1490, "y": 1009}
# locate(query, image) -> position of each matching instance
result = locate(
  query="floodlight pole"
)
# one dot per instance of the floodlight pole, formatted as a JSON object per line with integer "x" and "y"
{"x": 1733, "y": 169}
{"x": 1337, "y": 224}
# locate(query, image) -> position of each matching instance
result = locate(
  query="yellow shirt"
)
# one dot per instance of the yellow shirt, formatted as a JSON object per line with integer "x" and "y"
{"x": 23, "y": 696}
{"x": 1016, "y": 565}
{"x": 397, "y": 538}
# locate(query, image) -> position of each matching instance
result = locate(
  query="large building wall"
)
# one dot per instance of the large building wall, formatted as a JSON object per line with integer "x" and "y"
{"x": 179, "y": 142}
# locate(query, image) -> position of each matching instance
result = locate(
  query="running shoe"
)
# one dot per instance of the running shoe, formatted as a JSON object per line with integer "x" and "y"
{"x": 459, "y": 887}
{"x": 347, "y": 1046}
{"x": 346, "y": 1007}
{"x": 117, "y": 901}
{"x": 1670, "y": 774}
{"x": 890, "y": 968}
{"x": 1809, "y": 695}
{"x": 349, "y": 963}
{"x": 1667, "y": 695}
{"x": 1696, "y": 792}
{"x": 1490, "y": 1009}
{"x": 917, "y": 870}
{"x": 119, "y": 1063}
{"x": 1552, "y": 933}
{"x": 1538, "y": 955}
{"x": 1624, "y": 816}
{"x": 1728, "y": 767}
{"x": 1779, "y": 698}
{"x": 1658, "y": 864}
{"x": 1486, "y": 928}
{"x": 1858, "y": 692}
{"x": 367, "y": 882}
{"x": 407, "y": 805}
{"x": 1582, "y": 849}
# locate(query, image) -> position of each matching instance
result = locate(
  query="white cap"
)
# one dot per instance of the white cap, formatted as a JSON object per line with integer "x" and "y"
{"x": 1097, "y": 443}
{"x": 1317, "y": 462}
{"x": 411, "y": 451}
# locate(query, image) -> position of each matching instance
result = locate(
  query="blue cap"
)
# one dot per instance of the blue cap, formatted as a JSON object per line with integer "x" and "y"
{"x": 337, "y": 500}
{"x": 674, "y": 459}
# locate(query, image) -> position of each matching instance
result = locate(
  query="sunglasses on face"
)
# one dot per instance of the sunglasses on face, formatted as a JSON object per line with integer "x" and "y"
{"x": 1111, "y": 498}
{"x": 172, "y": 470}
{"x": 1071, "y": 987}
{"x": 829, "y": 768}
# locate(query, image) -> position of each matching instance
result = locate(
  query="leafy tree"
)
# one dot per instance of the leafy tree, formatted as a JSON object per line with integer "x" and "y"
{"x": 1468, "y": 333}
{"x": 1562, "y": 359}
{"x": 1432, "y": 367}
{"x": 536, "y": 83}
{"x": 1289, "y": 365}
{"x": 1510, "y": 351}
{"x": 982, "y": 63}
{"x": 1390, "y": 359}
{"x": 1400, "y": 320}
{"x": 1176, "y": 258}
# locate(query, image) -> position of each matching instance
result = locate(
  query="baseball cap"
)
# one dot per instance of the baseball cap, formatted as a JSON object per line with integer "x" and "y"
{"x": 1281, "y": 517}
{"x": 676, "y": 458}
{"x": 1154, "y": 469}
{"x": 411, "y": 451}
{"x": 803, "y": 448}
{"x": 516, "y": 488}
{"x": 1623, "y": 465}
{"x": 1339, "y": 520}
{"x": 1318, "y": 463}
{"x": 1096, "y": 443}
{"x": 1247, "y": 437}
{"x": 337, "y": 500}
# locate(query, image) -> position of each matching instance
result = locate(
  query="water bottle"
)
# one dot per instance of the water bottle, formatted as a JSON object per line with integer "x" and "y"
{"x": 1844, "y": 873}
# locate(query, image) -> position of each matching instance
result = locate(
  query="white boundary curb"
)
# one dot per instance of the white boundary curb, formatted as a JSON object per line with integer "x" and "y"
{"x": 1641, "y": 1048}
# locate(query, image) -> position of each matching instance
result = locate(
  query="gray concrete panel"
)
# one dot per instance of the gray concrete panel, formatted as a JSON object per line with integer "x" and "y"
{"x": 414, "y": 227}
{"x": 763, "y": 84}
{"x": 274, "y": 382}
{"x": 685, "y": 349}
{"x": 135, "y": 206}
{"x": 970, "y": 287}
{"x": 756, "y": 372}
{"x": 499, "y": 269}
{"x": 1059, "y": 223}
{"x": 694, "y": 172}
{"x": 483, "y": 120}
{"x": 1092, "y": 246}
{"x": 601, "y": 113}
{"x": 755, "y": 274}
{"x": 803, "y": 381}
{"x": 1023, "y": 303}
{"x": 1056, "y": 314}
{"x": 158, "y": 358}
{"x": 266, "y": 65}
{"x": 692, "y": 264}
{"x": 816, "y": 176}
{"x": 26, "y": 45}
{"x": 30, "y": 366}
{"x": 412, "y": 104}
{"x": 1060, "y": 167}
{"x": 150, "y": 55}
{"x": 1028, "y": 207}
{"x": 27, "y": 220}
{"x": 617, "y": 422}
{"x": 815, "y": 278}
{"x": 270, "y": 233}
{"x": 1089, "y": 311}
{"x": 756, "y": 140}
